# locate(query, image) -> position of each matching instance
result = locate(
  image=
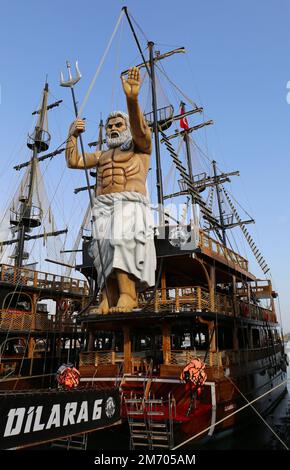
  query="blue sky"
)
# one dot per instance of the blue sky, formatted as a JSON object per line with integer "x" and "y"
{"x": 237, "y": 67}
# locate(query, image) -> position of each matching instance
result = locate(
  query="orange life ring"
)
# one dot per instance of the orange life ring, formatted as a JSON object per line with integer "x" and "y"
{"x": 68, "y": 376}
{"x": 194, "y": 372}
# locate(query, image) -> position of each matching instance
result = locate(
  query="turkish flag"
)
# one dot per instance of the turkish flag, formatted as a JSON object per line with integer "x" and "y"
{"x": 183, "y": 121}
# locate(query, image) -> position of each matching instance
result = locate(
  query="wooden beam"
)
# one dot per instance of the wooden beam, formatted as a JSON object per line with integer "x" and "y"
{"x": 127, "y": 350}
{"x": 166, "y": 343}
{"x": 212, "y": 288}
{"x": 163, "y": 286}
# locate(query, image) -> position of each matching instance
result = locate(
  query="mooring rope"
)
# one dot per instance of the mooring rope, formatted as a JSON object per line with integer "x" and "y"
{"x": 229, "y": 416}
{"x": 259, "y": 414}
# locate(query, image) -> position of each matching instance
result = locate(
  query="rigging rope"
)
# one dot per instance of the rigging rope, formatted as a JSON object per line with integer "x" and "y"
{"x": 100, "y": 65}
{"x": 177, "y": 87}
{"x": 259, "y": 257}
{"x": 229, "y": 416}
{"x": 190, "y": 185}
{"x": 257, "y": 412}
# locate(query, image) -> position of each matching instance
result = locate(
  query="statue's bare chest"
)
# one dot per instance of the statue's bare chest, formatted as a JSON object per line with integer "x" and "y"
{"x": 115, "y": 161}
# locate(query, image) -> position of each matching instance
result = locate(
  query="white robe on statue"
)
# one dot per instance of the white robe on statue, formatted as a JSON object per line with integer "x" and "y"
{"x": 123, "y": 223}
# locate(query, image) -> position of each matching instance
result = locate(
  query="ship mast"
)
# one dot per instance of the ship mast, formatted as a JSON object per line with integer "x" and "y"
{"x": 38, "y": 142}
{"x": 159, "y": 184}
{"x": 218, "y": 194}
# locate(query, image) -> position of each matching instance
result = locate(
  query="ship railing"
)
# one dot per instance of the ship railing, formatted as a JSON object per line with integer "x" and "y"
{"x": 198, "y": 299}
{"x": 177, "y": 299}
{"x": 256, "y": 312}
{"x": 221, "y": 358}
{"x": 216, "y": 248}
{"x": 184, "y": 356}
{"x": 18, "y": 320}
{"x": 139, "y": 363}
{"x": 31, "y": 278}
{"x": 98, "y": 357}
{"x": 260, "y": 288}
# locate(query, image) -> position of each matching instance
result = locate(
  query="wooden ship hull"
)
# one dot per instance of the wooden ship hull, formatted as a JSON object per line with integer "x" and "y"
{"x": 201, "y": 308}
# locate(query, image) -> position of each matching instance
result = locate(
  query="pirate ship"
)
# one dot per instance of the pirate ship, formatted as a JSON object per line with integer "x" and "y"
{"x": 38, "y": 332}
{"x": 204, "y": 343}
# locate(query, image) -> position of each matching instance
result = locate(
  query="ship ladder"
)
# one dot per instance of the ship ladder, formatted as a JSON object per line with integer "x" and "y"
{"x": 77, "y": 442}
{"x": 150, "y": 422}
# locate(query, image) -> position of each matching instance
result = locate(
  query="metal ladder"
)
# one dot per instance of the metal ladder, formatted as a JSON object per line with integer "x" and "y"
{"x": 77, "y": 442}
{"x": 150, "y": 422}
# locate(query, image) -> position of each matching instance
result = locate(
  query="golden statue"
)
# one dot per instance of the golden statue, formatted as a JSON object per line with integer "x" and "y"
{"x": 121, "y": 213}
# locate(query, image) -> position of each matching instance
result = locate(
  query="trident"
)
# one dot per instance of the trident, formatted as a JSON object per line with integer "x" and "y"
{"x": 70, "y": 84}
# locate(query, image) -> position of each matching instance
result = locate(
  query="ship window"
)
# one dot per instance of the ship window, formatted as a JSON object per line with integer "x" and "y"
{"x": 200, "y": 340}
{"x": 243, "y": 338}
{"x": 13, "y": 346}
{"x": 277, "y": 336}
{"x": 263, "y": 338}
{"x": 40, "y": 345}
{"x": 103, "y": 341}
{"x": 17, "y": 301}
{"x": 225, "y": 338}
{"x": 143, "y": 343}
{"x": 256, "y": 338}
{"x": 195, "y": 339}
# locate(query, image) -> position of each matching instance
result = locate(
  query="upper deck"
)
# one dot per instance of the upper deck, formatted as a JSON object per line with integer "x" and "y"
{"x": 26, "y": 279}
{"x": 224, "y": 255}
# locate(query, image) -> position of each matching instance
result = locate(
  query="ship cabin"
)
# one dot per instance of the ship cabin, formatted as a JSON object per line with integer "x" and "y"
{"x": 38, "y": 329}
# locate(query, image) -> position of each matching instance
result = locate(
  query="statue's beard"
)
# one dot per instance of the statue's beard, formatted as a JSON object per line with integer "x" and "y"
{"x": 122, "y": 138}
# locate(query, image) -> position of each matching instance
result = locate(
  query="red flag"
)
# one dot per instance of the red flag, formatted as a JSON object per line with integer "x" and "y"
{"x": 183, "y": 121}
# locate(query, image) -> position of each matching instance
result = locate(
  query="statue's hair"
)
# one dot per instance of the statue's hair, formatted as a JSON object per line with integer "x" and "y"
{"x": 115, "y": 114}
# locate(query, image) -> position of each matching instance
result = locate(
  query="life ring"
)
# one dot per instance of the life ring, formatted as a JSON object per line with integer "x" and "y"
{"x": 194, "y": 372}
{"x": 68, "y": 376}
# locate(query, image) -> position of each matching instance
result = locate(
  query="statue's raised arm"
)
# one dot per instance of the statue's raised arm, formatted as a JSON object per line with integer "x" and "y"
{"x": 140, "y": 131}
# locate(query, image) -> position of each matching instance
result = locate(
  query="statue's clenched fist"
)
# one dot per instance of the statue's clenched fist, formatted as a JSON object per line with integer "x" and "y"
{"x": 77, "y": 127}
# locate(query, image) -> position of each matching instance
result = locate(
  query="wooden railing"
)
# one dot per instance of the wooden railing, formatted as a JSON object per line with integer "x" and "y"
{"x": 177, "y": 298}
{"x": 197, "y": 299}
{"x": 23, "y": 321}
{"x": 224, "y": 358}
{"x": 138, "y": 362}
{"x": 215, "y": 248}
{"x": 97, "y": 357}
{"x": 184, "y": 356}
{"x": 260, "y": 288}
{"x": 28, "y": 277}
{"x": 217, "y": 360}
